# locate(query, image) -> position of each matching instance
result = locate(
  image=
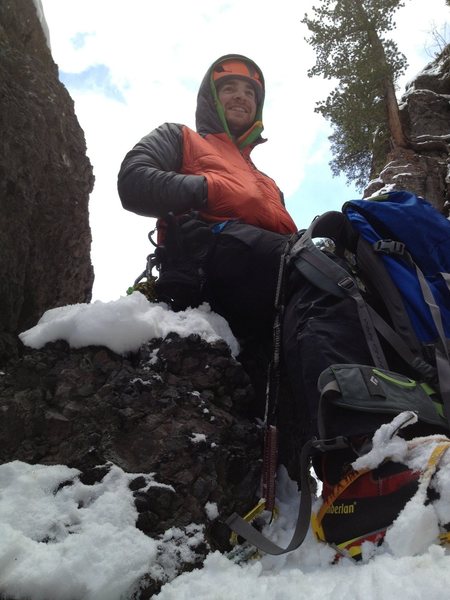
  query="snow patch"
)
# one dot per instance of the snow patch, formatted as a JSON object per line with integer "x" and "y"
{"x": 125, "y": 324}
{"x": 62, "y": 539}
{"x": 197, "y": 438}
{"x": 211, "y": 510}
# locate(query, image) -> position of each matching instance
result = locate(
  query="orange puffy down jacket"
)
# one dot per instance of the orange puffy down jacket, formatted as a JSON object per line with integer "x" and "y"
{"x": 166, "y": 172}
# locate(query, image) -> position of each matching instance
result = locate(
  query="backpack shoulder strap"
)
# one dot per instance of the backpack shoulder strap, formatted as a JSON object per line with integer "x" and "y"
{"x": 373, "y": 270}
{"x": 401, "y": 335}
{"x": 328, "y": 275}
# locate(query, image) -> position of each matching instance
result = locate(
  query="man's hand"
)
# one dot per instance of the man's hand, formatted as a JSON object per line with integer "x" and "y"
{"x": 196, "y": 236}
{"x": 194, "y": 231}
{"x": 180, "y": 285}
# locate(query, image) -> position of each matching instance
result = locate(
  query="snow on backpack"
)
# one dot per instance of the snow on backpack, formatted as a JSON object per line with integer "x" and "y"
{"x": 397, "y": 247}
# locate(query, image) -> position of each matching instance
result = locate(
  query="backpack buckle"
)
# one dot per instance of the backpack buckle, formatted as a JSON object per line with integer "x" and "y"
{"x": 347, "y": 283}
{"x": 325, "y": 445}
{"x": 389, "y": 247}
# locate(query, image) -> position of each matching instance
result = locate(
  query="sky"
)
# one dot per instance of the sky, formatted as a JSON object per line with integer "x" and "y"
{"x": 79, "y": 542}
{"x": 131, "y": 66}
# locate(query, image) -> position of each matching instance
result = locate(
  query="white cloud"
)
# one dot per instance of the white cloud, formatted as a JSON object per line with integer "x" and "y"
{"x": 157, "y": 54}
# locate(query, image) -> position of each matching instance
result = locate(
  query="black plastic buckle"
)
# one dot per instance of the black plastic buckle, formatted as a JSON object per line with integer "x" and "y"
{"x": 389, "y": 247}
{"x": 337, "y": 443}
{"x": 347, "y": 283}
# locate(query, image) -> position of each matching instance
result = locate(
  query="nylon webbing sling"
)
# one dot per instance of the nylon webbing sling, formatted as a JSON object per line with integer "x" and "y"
{"x": 252, "y": 535}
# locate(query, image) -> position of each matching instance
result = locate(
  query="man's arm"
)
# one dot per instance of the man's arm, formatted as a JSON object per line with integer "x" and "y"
{"x": 149, "y": 182}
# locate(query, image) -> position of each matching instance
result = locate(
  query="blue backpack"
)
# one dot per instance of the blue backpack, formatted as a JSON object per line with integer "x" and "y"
{"x": 413, "y": 241}
{"x": 399, "y": 246}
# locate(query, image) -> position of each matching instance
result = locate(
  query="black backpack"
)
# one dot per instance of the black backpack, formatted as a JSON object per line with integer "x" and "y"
{"x": 397, "y": 248}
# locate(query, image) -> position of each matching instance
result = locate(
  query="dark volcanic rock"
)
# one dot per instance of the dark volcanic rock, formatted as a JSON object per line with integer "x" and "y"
{"x": 178, "y": 409}
{"x": 45, "y": 181}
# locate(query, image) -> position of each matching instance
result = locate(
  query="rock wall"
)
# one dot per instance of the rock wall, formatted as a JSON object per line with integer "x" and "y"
{"x": 177, "y": 409}
{"x": 45, "y": 181}
{"x": 424, "y": 168}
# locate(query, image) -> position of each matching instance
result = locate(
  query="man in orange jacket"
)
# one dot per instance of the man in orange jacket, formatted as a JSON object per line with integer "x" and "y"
{"x": 174, "y": 170}
{"x": 229, "y": 253}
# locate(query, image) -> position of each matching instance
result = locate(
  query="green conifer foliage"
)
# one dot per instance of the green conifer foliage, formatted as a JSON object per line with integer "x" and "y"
{"x": 348, "y": 38}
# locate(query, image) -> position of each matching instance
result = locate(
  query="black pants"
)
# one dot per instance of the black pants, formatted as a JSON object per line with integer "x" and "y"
{"x": 318, "y": 328}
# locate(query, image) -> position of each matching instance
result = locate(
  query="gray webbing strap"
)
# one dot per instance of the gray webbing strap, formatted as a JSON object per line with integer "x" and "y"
{"x": 434, "y": 308}
{"x": 446, "y": 278}
{"x": 374, "y": 269}
{"x": 391, "y": 336}
{"x": 443, "y": 367}
{"x": 442, "y": 353}
{"x": 423, "y": 368}
{"x": 252, "y": 535}
{"x": 446, "y": 383}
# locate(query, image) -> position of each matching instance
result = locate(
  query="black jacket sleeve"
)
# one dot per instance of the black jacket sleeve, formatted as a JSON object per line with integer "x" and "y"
{"x": 149, "y": 182}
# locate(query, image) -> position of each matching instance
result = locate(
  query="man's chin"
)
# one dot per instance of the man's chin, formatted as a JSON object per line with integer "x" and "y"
{"x": 238, "y": 130}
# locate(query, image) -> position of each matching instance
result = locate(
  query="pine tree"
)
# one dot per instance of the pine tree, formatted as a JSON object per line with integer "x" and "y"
{"x": 347, "y": 36}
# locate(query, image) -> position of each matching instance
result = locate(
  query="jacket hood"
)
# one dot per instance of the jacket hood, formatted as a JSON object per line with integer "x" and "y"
{"x": 209, "y": 116}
